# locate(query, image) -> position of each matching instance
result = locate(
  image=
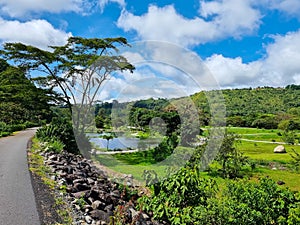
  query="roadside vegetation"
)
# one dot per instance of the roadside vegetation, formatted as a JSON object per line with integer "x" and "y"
{"x": 38, "y": 168}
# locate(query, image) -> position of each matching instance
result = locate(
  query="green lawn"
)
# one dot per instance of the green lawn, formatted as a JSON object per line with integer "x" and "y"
{"x": 264, "y": 156}
{"x": 246, "y": 130}
{"x": 136, "y": 163}
{"x": 264, "y": 151}
{"x": 261, "y": 153}
{"x": 291, "y": 179}
{"x": 119, "y": 164}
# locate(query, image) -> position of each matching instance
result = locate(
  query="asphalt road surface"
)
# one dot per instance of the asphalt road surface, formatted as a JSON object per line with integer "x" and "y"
{"x": 17, "y": 201}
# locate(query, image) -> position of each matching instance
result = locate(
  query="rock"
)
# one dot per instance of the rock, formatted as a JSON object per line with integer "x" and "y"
{"x": 81, "y": 187}
{"x": 88, "y": 219}
{"x": 280, "y": 182}
{"x": 79, "y": 194}
{"x": 116, "y": 194}
{"x": 53, "y": 158}
{"x": 133, "y": 212}
{"x": 109, "y": 208}
{"x": 100, "y": 215}
{"x": 145, "y": 216}
{"x": 96, "y": 204}
{"x": 68, "y": 169}
{"x": 279, "y": 149}
{"x": 100, "y": 194}
{"x": 90, "y": 181}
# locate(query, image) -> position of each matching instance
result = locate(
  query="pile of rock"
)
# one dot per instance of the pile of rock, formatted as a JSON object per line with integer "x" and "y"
{"x": 90, "y": 192}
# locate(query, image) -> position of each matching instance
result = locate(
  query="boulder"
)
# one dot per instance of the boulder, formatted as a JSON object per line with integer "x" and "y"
{"x": 279, "y": 149}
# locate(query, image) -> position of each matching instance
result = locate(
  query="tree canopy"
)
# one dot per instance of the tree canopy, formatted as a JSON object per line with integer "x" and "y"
{"x": 21, "y": 100}
{"x": 85, "y": 61}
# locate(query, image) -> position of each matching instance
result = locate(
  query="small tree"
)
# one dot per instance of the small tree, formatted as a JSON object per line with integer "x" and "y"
{"x": 230, "y": 158}
{"x": 108, "y": 137}
{"x": 289, "y": 137}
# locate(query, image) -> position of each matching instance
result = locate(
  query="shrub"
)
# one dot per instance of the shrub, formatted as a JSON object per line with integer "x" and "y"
{"x": 54, "y": 146}
{"x": 186, "y": 198}
{"x": 175, "y": 198}
{"x": 296, "y": 160}
{"x": 59, "y": 129}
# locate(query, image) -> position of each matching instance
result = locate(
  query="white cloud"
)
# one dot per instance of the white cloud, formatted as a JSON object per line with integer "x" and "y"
{"x": 220, "y": 19}
{"x": 103, "y": 3}
{"x": 231, "y": 17}
{"x": 39, "y": 33}
{"x": 279, "y": 67}
{"x": 231, "y": 72}
{"x": 164, "y": 24}
{"x": 145, "y": 83}
{"x": 283, "y": 57}
{"x": 290, "y": 7}
{"x": 19, "y": 8}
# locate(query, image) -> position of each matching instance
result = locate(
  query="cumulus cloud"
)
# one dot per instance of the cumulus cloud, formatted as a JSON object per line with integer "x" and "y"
{"x": 168, "y": 71}
{"x": 165, "y": 24}
{"x": 231, "y": 17}
{"x": 39, "y": 33}
{"x": 230, "y": 72}
{"x": 217, "y": 20}
{"x": 283, "y": 57}
{"x": 290, "y": 7}
{"x": 162, "y": 70}
{"x": 103, "y": 3}
{"x": 279, "y": 67}
{"x": 19, "y": 8}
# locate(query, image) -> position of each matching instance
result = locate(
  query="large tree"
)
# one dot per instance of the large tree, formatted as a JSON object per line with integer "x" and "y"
{"x": 20, "y": 99}
{"x": 77, "y": 69}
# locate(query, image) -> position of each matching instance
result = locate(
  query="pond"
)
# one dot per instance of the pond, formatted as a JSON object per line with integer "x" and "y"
{"x": 123, "y": 143}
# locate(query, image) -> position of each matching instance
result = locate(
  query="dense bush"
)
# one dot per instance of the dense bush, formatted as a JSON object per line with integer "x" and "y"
{"x": 60, "y": 129}
{"x": 7, "y": 129}
{"x": 174, "y": 199}
{"x": 248, "y": 202}
{"x": 186, "y": 198}
{"x": 165, "y": 148}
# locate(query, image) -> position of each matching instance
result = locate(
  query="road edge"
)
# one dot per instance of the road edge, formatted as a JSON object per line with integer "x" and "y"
{"x": 44, "y": 196}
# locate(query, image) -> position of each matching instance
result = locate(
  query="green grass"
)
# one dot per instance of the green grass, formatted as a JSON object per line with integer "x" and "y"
{"x": 136, "y": 163}
{"x": 291, "y": 179}
{"x": 247, "y": 130}
{"x": 264, "y": 151}
{"x": 272, "y": 137}
{"x": 123, "y": 163}
{"x": 261, "y": 153}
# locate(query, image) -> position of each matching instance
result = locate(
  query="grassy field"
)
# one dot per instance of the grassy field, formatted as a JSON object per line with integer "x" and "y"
{"x": 130, "y": 165}
{"x": 264, "y": 151}
{"x": 276, "y": 166}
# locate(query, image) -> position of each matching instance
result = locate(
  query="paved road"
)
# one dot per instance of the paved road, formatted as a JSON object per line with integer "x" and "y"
{"x": 17, "y": 202}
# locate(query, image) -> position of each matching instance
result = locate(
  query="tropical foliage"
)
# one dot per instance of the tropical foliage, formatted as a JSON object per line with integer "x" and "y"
{"x": 187, "y": 198}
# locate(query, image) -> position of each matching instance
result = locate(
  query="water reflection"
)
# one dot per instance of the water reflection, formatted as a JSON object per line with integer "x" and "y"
{"x": 123, "y": 143}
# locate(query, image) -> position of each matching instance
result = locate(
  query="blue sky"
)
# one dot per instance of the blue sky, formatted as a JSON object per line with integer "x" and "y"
{"x": 242, "y": 43}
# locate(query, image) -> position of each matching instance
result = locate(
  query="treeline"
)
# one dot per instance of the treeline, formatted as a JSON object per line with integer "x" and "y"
{"x": 262, "y": 107}
{"x": 22, "y": 104}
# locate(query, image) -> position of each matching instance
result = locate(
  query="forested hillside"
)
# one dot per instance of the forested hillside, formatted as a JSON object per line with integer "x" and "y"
{"x": 263, "y": 107}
